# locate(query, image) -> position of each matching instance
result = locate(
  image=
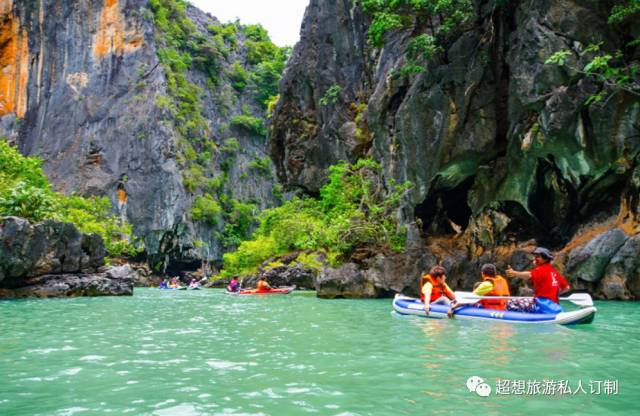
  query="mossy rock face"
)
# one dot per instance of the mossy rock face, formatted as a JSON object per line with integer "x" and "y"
{"x": 486, "y": 126}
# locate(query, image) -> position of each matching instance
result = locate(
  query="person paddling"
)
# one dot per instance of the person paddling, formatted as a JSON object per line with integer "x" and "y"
{"x": 548, "y": 283}
{"x": 233, "y": 285}
{"x": 434, "y": 289}
{"x": 263, "y": 285}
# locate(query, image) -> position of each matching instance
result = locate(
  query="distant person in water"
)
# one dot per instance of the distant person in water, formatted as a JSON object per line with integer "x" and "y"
{"x": 263, "y": 284}
{"x": 548, "y": 283}
{"x": 163, "y": 284}
{"x": 434, "y": 289}
{"x": 174, "y": 284}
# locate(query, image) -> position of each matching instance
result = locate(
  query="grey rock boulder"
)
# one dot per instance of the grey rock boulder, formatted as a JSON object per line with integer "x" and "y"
{"x": 622, "y": 275}
{"x": 114, "y": 281}
{"x": 589, "y": 262}
{"x": 348, "y": 281}
{"x": 49, "y": 247}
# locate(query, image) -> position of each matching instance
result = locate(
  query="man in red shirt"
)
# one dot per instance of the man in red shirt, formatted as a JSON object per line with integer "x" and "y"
{"x": 547, "y": 282}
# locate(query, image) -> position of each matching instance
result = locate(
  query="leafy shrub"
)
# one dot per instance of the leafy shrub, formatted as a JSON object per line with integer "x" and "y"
{"x": 263, "y": 165}
{"x": 250, "y": 123}
{"x": 331, "y": 96}
{"x": 230, "y": 145}
{"x": 353, "y": 210}
{"x": 26, "y": 192}
{"x": 193, "y": 178}
{"x": 239, "y": 219}
{"x": 239, "y": 77}
{"x": 206, "y": 208}
{"x": 26, "y": 201}
{"x": 249, "y": 255}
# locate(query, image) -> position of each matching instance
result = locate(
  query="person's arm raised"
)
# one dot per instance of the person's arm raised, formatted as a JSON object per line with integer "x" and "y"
{"x": 512, "y": 273}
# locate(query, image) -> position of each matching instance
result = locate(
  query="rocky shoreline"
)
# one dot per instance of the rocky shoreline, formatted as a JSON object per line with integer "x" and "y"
{"x": 602, "y": 259}
{"x": 54, "y": 259}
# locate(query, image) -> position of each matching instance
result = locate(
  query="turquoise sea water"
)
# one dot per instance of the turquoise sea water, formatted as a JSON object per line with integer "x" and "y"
{"x": 208, "y": 353}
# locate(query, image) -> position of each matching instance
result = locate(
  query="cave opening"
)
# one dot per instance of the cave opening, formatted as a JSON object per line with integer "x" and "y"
{"x": 180, "y": 267}
{"x": 446, "y": 211}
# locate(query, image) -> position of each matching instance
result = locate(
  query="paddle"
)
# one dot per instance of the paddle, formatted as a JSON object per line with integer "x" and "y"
{"x": 580, "y": 299}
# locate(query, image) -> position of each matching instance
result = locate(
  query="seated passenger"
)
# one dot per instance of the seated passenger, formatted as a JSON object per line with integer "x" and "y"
{"x": 263, "y": 285}
{"x": 434, "y": 289}
{"x": 492, "y": 285}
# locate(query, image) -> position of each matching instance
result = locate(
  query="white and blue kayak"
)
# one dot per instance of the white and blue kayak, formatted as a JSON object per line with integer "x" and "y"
{"x": 405, "y": 305}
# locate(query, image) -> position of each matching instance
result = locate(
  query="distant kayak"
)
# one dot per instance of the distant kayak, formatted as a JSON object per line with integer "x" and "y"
{"x": 275, "y": 291}
{"x": 410, "y": 306}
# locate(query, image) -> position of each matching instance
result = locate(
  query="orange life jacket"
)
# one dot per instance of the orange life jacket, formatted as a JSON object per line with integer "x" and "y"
{"x": 439, "y": 289}
{"x": 262, "y": 285}
{"x": 122, "y": 195}
{"x": 500, "y": 288}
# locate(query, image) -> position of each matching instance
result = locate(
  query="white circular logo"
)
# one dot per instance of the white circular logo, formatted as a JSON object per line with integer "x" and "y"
{"x": 477, "y": 384}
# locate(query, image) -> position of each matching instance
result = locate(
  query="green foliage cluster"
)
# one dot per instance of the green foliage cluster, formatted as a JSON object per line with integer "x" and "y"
{"x": 442, "y": 17}
{"x": 230, "y": 145}
{"x": 250, "y": 123}
{"x": 615, "y": 71}
{"x": 354, "y": 209}
{"x": 26, "y": 192}
{"x": 266, "y": 62}
{"x": 261, "y": 165}
{"x": 239, "y": 77}
{"x": 239, "y": 219}
{"x": 331, "y": 95}
{"x": 206, "y": 208}
{"x": 419, "y": 50}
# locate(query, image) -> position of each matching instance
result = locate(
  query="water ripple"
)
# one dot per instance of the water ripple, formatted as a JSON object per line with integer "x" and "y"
{"x": 206, "y": 353}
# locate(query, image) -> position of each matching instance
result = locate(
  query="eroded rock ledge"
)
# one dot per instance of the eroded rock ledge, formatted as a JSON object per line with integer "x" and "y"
{"x": 54, "y": 259}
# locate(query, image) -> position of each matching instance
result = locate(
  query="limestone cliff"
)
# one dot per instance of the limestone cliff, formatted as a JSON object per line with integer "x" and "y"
{"x": 83, "y": 87}
{"x": 500, "y": 147}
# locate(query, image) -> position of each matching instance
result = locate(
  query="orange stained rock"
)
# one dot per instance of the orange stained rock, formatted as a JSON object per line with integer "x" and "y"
{"x": 5, "y": 7}
{"x": 110, "y": 34}
{"x": 14, "y": 63}
{"x": 111, "y": 37}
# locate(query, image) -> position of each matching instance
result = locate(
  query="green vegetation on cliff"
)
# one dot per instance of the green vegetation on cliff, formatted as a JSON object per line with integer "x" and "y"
{"x": 354, "y": 210}
{"x": 25, "y": 192}
{"x": 614, "y": 71}
{"x": 443, "y": 18}
{"x": 243, "y": 68}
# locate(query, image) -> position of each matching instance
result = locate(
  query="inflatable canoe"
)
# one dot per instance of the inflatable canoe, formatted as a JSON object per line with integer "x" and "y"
{"x": 405, "y": 305}
{"x": 275, "y": 291}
